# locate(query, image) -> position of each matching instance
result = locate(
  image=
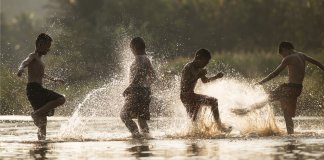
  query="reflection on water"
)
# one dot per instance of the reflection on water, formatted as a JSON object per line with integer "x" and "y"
{"x": 106, "y": 139}
{"x": 39, "y": 150}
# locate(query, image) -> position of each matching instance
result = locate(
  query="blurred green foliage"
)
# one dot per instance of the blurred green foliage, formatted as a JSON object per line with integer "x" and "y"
{"x": 88, "y": 35}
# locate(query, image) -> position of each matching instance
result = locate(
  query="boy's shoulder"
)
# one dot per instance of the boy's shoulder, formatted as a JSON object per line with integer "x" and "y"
{"x": 189, "y": 67}
{"x": 32, "y": 55}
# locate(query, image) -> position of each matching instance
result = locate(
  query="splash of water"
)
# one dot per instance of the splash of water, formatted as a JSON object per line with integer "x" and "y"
{"x": 235, "y": 93}
{"x": 107, "y": 101}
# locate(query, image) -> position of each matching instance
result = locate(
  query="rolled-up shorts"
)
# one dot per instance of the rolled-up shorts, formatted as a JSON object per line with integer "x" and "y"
{"x": 193, "y": 103}
{"x": 287, "y": 93}
{"x": 39, "y": 96}
{"x": 137, "y": 103}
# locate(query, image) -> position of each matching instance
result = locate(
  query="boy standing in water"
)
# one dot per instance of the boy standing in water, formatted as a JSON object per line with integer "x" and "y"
{"x": 288, "y": 93}
{"x": 138, "y": 93}
{"x": 190, "y": 74}
{"x": 42, "y": 100}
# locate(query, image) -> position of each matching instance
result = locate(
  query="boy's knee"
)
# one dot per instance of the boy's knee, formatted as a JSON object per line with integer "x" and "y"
{"x": 214, "y": 102}
{"x": 61, "y": 100}
{"x": 123, "y": 116}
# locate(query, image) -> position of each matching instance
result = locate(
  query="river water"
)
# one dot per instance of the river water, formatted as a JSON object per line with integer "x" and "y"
{"x": 107, "y": 138}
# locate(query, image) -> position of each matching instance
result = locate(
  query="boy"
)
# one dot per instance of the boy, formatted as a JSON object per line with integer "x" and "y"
{"x": 42, "y": 100}
{"x": 287, "y": 93}
{"x": 190, "y": 74}
{"x": 138, "y": 93}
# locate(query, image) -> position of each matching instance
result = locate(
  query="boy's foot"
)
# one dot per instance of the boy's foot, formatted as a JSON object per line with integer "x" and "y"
{"x": 223, "y": 128}
{"x": 147, "y": 136}
{"x": 40, "y": 135}
{"x": 240, "y": 111}
{"x": 137, "y": 135}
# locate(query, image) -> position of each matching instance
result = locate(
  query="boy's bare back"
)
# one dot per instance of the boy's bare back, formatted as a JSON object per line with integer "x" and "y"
{"x": 296, "y": 67}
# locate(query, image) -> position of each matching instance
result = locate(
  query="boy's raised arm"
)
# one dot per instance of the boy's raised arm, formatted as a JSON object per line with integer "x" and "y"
{"x": 275, "y": 73}
{"x": 315, "y": 62}
{"x": 24, "y": 64}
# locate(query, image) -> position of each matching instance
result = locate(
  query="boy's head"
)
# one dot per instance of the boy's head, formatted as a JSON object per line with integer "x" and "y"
{"x": 43, "y": 43}
{"x": 285, "y": 48}
{"x": 138, "y": 46}
{"x": 202, "y": 57}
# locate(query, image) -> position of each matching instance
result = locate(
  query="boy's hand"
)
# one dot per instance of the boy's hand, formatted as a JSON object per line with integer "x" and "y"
{"x": 19, "y": 73}
{"x": 219, "y": 75}
{"x": 59, "y": 80}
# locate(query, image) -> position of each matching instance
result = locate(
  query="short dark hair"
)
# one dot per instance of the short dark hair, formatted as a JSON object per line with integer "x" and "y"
{"x": 203, "y": 53}
{"x": 286, "y": 45}
{"x": 137, "y": 43}
{"x": 43, "y": 38}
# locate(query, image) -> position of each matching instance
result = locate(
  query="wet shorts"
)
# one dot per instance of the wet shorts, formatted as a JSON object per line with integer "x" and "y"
{"x": 39, "y": 96}
{"x": 193, "y": 103}
{"x": 287, "y": 94}
{"x": 137, "y": 103}
{"x": 286, "y": 91}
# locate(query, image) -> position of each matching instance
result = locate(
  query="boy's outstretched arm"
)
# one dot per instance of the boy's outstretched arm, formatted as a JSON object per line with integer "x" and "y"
{"x": 53, "y": 79}
{"x": 275, "y": 73}
{"x": 205, "y": 79}
{"x": 315, "y": 62}
{"x": 24, "y": 64}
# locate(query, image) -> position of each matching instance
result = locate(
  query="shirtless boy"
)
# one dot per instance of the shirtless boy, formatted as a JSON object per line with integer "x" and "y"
{"x": 191, "y": 72}
{"x": 138, "y": 93}
{"x": 42, "y": 100}
{"x": 288, "y": 93}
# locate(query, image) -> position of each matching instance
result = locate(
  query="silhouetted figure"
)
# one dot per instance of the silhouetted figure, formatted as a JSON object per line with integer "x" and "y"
{"x": 193, "y": 102}
{"x": 287, "y": 93}
{"x": 42, "y": 100}
{"x": 138, "y": 93}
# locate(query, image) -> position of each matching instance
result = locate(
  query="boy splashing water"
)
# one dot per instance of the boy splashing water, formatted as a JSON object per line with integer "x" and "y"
{"x": 287, "y": 93}
{"x": 138, "y": 93}
{"x": 193, "y": 102}
{"x": 42, "y": 100}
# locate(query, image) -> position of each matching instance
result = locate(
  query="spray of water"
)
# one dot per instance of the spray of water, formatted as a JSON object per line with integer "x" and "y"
{"x": 107, "y": 101}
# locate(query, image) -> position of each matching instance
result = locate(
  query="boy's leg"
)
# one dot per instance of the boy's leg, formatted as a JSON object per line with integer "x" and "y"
{"x": 40, "y": 122}
{"x": 130, "y": 124}
{"x": 289, "y": 107}
{"x": 49, "y": 106}
{"x": 213, "y": 103}
{"x": 143, "y": 125}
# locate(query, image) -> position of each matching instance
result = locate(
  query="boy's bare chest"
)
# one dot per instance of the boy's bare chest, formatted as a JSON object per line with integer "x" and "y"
{"x": 37, "y": 66}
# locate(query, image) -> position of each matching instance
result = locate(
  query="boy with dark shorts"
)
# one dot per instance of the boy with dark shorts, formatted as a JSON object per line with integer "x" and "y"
{"x": 138, "y": 93}
{"x": 287, "y": 93}
{"x": 192, "y": 101}
{"x": 42, "y": 100}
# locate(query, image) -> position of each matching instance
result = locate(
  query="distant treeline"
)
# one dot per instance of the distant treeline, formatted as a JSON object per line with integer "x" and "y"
{"x": 88, "y": 33}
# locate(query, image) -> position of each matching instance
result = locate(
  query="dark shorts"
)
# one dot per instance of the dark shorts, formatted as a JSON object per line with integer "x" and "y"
{"x": 286, "y": 91}
{"x": 287, "y": 94}
{"x": 137, "y": 103}
{"x": 39, "y": 96}
{"x": 193, "y": 103}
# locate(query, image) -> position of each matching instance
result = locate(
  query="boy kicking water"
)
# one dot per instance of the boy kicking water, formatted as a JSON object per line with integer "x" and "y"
{"x": 138, "y": 93}
{"x": 193, "y": 102}
{"x": 287, "y": 93}
{"x": 42, "y": 100}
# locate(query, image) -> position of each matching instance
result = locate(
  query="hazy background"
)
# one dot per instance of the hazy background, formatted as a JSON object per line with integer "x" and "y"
{"x": 243, "y": 36}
